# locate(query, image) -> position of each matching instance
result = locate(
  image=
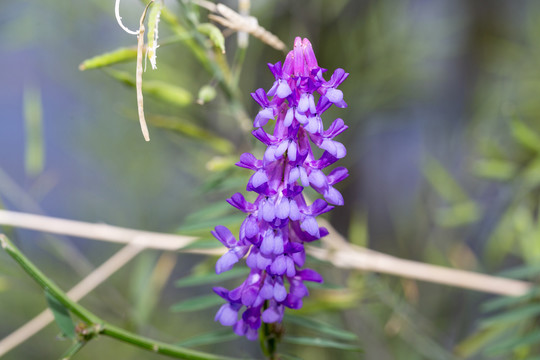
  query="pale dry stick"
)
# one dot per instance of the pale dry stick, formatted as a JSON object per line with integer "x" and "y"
{"x": 139, "y": 72}
{"x": 345, "y": 255}
{"x": 234, "y": 21}
{"x": 243, "y": 10}
{"x": 342, "y": 254}
{"x": 89, "y": 283}
{"x": 104, "y": 232}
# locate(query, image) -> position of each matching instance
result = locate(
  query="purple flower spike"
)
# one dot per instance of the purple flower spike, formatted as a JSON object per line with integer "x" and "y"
{"x": 279, "y": 222}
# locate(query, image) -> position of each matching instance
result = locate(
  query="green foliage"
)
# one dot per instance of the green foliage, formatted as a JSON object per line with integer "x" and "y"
{"x": 197, "y": 303}
{"x": 214, "y": 34}
{"x": 110, "y": 58}
{"x": 511, "y": 330}
{"x": 33, "y": 121}
{"x": 61, "y": 316}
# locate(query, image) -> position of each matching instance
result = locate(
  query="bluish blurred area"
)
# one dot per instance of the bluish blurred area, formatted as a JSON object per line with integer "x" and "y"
{"x": 436, "y": 92}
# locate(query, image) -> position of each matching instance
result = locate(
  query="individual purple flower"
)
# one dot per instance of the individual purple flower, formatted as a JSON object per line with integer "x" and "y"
{"x": 279, "y": 221}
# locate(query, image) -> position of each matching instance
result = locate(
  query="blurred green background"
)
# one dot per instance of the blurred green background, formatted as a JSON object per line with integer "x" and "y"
{"x": 443, "y": 150}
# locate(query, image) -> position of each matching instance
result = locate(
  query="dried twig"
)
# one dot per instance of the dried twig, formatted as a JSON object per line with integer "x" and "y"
{"x": 139, "y": 72}
{"x": 337, "y": 251}
{"x": 229, "y": 18}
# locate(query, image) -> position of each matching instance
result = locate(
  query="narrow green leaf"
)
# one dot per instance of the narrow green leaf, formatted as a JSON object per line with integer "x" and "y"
{"x": 495, "y": 169}
{"x": 197, "y": 303}
{"x": 474, "y": 343}
{"x": 171, "y": 93}
{"x": 212, "y": 211}
{"x": 513, "y": 342}
{"x": 109, "y": 58}
{"x": 214, "y": 337}
{"x": 502, "y": 302}
{"x": 524, "y": 135}
{"x": 443, "y": 182}
{"x": 33, "y": 121}
{"x": 512, "y": 316}
{"x": 522, "y": 272}
{"x": 193, "y": 131}
{"x": 214, "y": 34}
{"x": 61, "y": 316}
{"x": 321, "y": 327}
{"x": 164, "y": 91}
{"x": 458, "y": 215}
{"x": 314, "y": 341}
{"x": 195, "y": 280}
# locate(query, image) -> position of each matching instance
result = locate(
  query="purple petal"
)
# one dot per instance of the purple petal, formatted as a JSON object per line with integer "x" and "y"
{"x": 310, "y": 275}
{"x": 309, "y": 55}
{"x": 317, "y": 178}
{"x": 263, "y": 262}
{"x": 239, "y": 202}
{"x": 288, "y": 117}
{"x": 263, "y": 116}
{"x": 281, "y": 149}
{"x": 291, "y": 270}
{"x": 280, "y": 293}
{"x": 310, "y": 226}
{"x": 294, "y": 174}
{"x": 282, "y": 209}
{"x": 249, "y": 295}
{"x": 333, "y": 196}
{"x": 291, "y": 153}
{"x": 260, "y": 97}
{"x": 226, "y": 262}
{"x": 224, "y": 235}
{"x": 278, "y": 245}
{"x": 259, "y": 178}
{"x": 267, "y": 244}
{"x": 283, "y": 89}
{"x": 270, "y": 153}
{"x": 303, "y": 103}
{"x": 226, "y": 315}
{"x": 249, "y": 161}
{"x": 267, "y": 291}
{"x": 334, "y": 95}
{"x": 303, "y": 177}
{"x": 337, "y": 175}
{"x": 279, "y": 266}
{"x": 294, "y": 212}
{"x": 268, "y": 211}
{"x": 337, "y": 127}
{"x": 271, "y": 315}
{"x": 251, "y": 227}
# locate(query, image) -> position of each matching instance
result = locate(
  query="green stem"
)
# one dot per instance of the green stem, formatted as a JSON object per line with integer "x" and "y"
{"x": 100, "y": 326}
{"x": 73, "y": 349}
{"x": 268, "y": 338}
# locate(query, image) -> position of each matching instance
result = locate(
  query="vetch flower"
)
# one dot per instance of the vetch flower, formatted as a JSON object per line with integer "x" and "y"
{"x": 279, "y": 221}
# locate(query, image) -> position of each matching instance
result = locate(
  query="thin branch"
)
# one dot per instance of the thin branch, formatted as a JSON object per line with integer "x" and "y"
{"x": 152, "y": 240}
{"x": 337, "y": 251}
{"x": 85, "y": 286}
{"x": 238, "y": 22}
{"x": 96, "y": 324}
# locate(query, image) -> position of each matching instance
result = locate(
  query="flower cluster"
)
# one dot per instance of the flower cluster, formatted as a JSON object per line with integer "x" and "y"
{"x": 280, "y": 221}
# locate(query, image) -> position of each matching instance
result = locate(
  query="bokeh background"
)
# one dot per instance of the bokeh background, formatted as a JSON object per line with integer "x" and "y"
{"x": 442, "y": 150}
